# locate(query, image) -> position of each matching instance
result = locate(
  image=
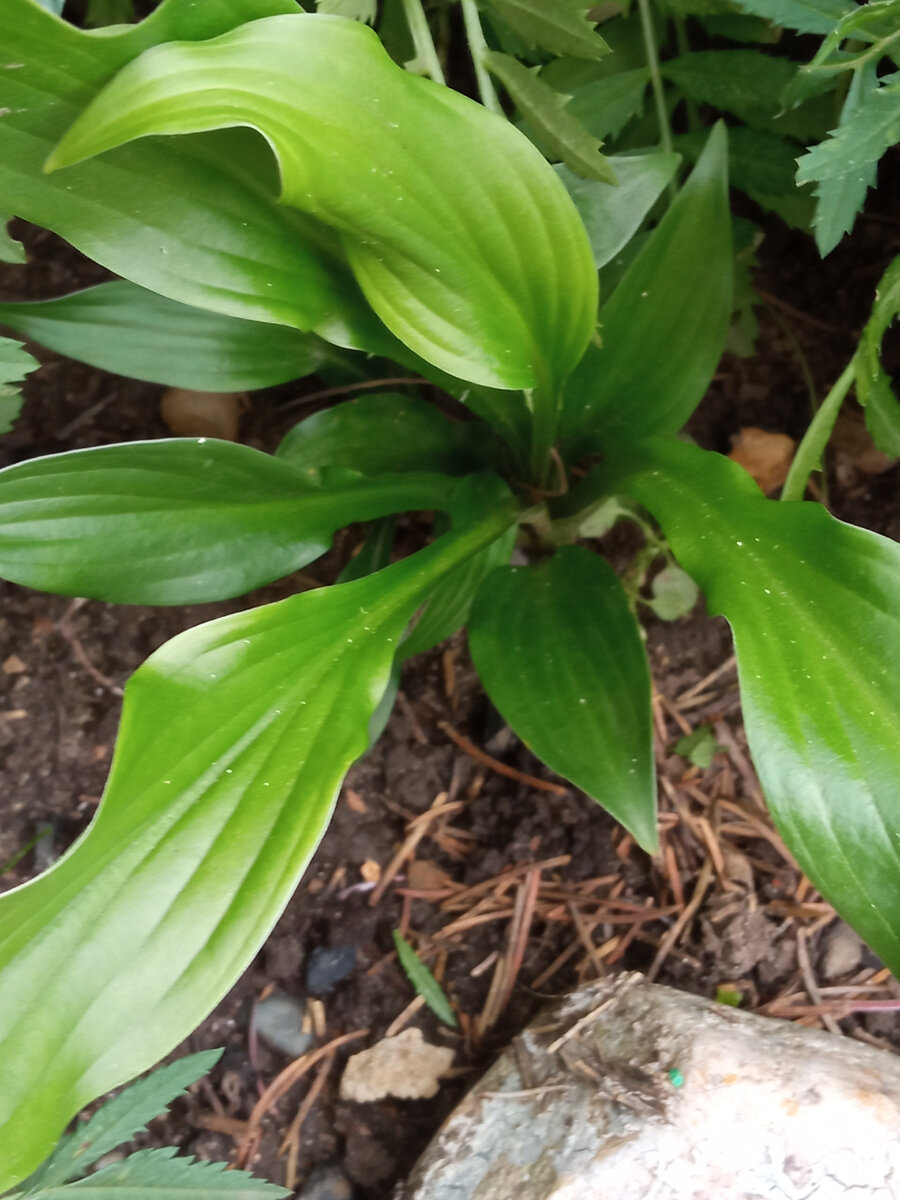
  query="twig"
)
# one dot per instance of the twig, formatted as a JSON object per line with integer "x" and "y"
{"x": 495, "y": 765}
{"x": 346, "y": 388}
{"x": 809, "y": 981}
{"x": 700, "y": 887}
{"x": 291, "y": 1140}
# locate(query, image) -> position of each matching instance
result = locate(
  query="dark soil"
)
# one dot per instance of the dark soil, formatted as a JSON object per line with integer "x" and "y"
{"x": 64, "y": 663}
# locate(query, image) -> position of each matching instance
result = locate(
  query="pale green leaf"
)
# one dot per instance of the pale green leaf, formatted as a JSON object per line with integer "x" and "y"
{"x": 746, "y": 83}
{"x": 432, "y": 196}
{"x": 356, "y": 10}
{"x": 182, "y": 520}
{"x": 699, "y": 747}
{"x": 234, "y": 739}
{"x": 158, "y": 1173}
{"x": 561, "y": 657}
{"x": 560, "y": 134}
{"x": 664, "y": 327}
{"x": 198, "y": 220}
{"x": 843, "y": 167}
{"x": 612, "y": 215}
{"x": 559, "y": 26}
{"x": 806, "y": 16}
{"x": 118, "y": 1120}
{"x": 11, "y": 250}
{"x": 52, "y": 6}
{"x": 815, "y": 609}
{"x": 423, "y": 981}
{"x": 674, "y": 593}
{"x": 126, "y": 329}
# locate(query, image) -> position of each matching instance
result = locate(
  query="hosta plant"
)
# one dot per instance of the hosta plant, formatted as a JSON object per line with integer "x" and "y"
{"x": 382, "y": 214}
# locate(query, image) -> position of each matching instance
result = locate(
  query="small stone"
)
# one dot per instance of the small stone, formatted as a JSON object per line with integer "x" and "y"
{"x": 842, "y": 951}
{"x": 326, "y": 1183}
{"x": 279, "y": 1020}
{"x": 328, "y": 966}
{"x": 405, "y": 1066}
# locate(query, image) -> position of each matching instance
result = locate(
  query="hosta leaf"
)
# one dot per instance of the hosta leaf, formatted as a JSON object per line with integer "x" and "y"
{"x": 612, "y": 215}
{"x": 149, "y": 1173}
{"x": 209, "y": 230}
{"x": 234, "y": 739}
{"x": 11, "y": 250}
{"x": 126, "y": 329}
{"x": 381, "y": 433}
{"x": 742, "y": 82}
{"x": 605, "y": 106}
{"x": 118, "y": 1120}
{"x": 433, "y": 197}
{"x": 806, "y": 16}
{"x": 560, "y": 134}
{"x": 15, "y": 364}
{"x": 561, "y": 657}
{"x": 559, "y": 26}
{"x": 844, "y": 166}
{"x": 664, "y": 327}
{"x": 815, "y": 609}
{"x": 179, "y": 520}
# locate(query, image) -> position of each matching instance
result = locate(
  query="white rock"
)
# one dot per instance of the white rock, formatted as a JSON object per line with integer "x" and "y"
{"x": 405, "y": 1066}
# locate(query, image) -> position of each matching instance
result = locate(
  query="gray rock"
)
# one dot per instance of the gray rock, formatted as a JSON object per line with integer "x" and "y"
{"x": 279, "y": 1020}
{"x": 842, "y": 951}
{"x": 328, "y": 966}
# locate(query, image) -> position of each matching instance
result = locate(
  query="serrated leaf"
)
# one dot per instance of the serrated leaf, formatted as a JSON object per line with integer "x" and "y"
{"x": 746, "y": 83}
{"x": 423, "y": 981}
{"x": 664, "y": 327}
{"x": 561, "y": 657}
{"x": 126, "y": 329}
{"x": 11, "y": 250}
{"x": 759, "y": 162}
{"x": 234, "y": 739}
{"x": 356, "y": 136}
{"x": 605, "y": 106}
{"x": 873, "y": 386}
{"x": 562, "y": 137}
{"x": 843, "y": 167}
{"x": 814, "y": 606}
{"x": 612, "y": 216}
{"x": 559, "y": 26}
{"x": 159, "y": 1173}
{"x": 384, "y": 432}
{"x": 118, "y": 1120}
{"x": 15, "y": 364}
{"x": 806, "y": 16}
{"x": 181, "y": 520}
{"x": 210, "y": 231}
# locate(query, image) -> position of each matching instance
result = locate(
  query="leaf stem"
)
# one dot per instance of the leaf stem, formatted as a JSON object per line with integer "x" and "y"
{"x": 656, "y": 82}
{"x": 809, "y": 452}
{"x": 477, "y": 47}
{"x": 426, "y": 54}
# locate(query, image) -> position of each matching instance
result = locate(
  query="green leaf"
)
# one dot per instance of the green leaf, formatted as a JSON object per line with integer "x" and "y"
{"x": 15, "y": 364}
{"x": 605, "y": 106}
{"x": 674, "y": 593}
{"x": 561, "y": 657}
{"x": 124, "y": 328}
{"x": 118, "y": 1120}
{"x": 664, "y": 327}
{"x": 873, "y": 386}
{"x": 52, "y": 6}
{"x": 432, "y": 197}
{"x": 699, "y": 747}
{"x": 181, "y": 520}
{"x": 759, "y": 162}
{"x": 11, "y": 250}
{"x": 612, "y": 216}
{"x": 384, "y": 432}
{"x": 356, "y": 10}
{"x": 844, "y": 166}
{"x": 158, "y": 1173}
{"x": 450, "y": 603}
{"x": 555, "y": 25}
{"x": 234, "y": 739}
{"x": 375, "y": 552}
{"x": 815, "y": 609}
{"x": 423, "y": 981}
{"x": 561, "y": 135}
{"x": 746, "y": 83}
{"x": 806, "y": 16}
{"x": 198, "y": 220}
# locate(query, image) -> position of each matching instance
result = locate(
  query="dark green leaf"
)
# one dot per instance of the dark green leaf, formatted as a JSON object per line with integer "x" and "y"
{"x": 559, "y": 26}
{"x": 15, "y": 364}
{"x": 664, "y": 328}
{"x": 124, "y": 328}
{"x": 180, "y": 520}
{"x": 118, "y": 1120}
{"x": 561, "y": 657}
{"x": 157, "y": 1173}
{"x": 374, "y": 554}
{"x": 815, "y": 609}
{"x": 431, "y": 196}
{"x": 562, "y": 137}
{"x": 234, "y": 739}
{"x": 385, "y": 432}
{"x": 759, "y": 162}
{"x": 11, "y": 250}
{"x": 806, "y": 16}
{"x": 423, "y": 981}
{"x": 605, "y": 106}
{"x": 873, "y": 386}
{"x": 612, "y": 215}
{"x": 746, "y": 83}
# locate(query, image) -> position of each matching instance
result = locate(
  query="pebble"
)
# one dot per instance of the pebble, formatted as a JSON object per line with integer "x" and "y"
{"x": 279, "y": 1020}
{"x": 328, "y": 966}
{"x": 326, "y": 1183}
{"x": 842, "y": 951}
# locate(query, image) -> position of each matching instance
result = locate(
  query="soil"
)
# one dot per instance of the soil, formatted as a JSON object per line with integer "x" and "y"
{"x": 64, "y": 664}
